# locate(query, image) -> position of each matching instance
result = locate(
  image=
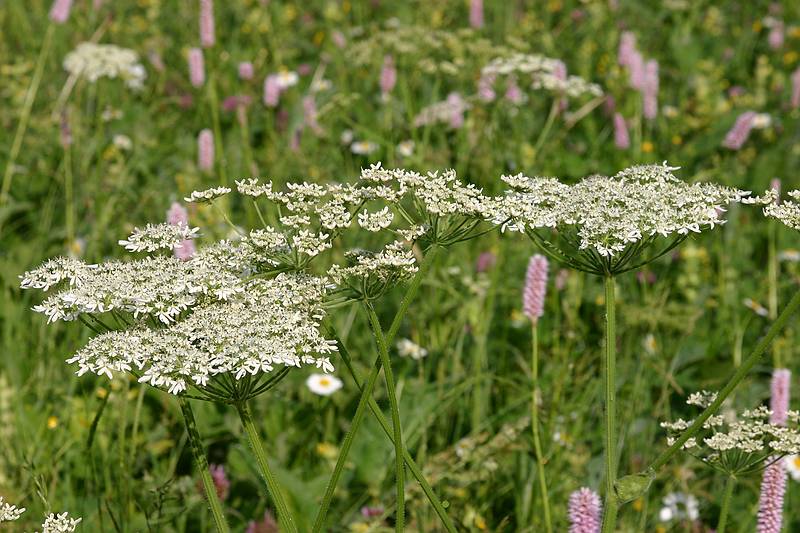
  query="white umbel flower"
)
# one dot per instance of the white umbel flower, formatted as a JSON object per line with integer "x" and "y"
{"x": 157, "y": 236}
{"x": 94, "y": 61}
{"x": 60, "y": 523}
{"x": 323, "y": 384}
{"x": 8, "y": 512}
{"x": 207, "y": 195}
{"x": 408, "y": 348}
{"x": 610, "y": 216}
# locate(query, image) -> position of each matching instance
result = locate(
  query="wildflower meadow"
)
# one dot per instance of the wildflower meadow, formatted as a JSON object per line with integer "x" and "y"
{"x": 379, "y": 265}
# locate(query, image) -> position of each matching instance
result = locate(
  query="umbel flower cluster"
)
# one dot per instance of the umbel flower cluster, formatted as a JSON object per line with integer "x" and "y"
{"x": 603, "y": 223}
{"x": 177, "y": 323}
{"x": 746, "y": 443}
{"x": 788, "y": 211}
{"x": 221, "y": 320}
{"x": 60, "y": 523}
{"x": 94, "y": 61}
{"x": 543, "y": 72}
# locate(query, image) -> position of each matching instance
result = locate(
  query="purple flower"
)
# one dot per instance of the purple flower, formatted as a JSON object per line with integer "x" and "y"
{"x": 621, "y": 138}
{"x": 197, "y": 71}
{"x": 372, "y": 512}
{"x": 740, "y": 131}
{"x": 221, "y": 482}
{"x": 266, "y": 525}
{"x": 234, "y": 102}
{"x": 207, "y": 38}
{"x": 476, "y": 13}
{"x": 205, "y": 150}
{"x": 770, "y": 502}
{"x": 388, "y": 76}
{"x": 773, "y": 484}
{"x": 246, "y": 70}
{"x": 272, "y": 91}
{"x": 535, "y": 287}
{"x": 59, "y": 11}
{"x": 560, "y": 73}
{"x": 779, "y": 401}
{"x": 650, "y": 90}
{"x": 485, "y": 262}
{"x": 627, "y": 47}
{"x": 584, "y": 511}
{"x": 486, "y": 87}
{"x": 776, "y": 35}
{"x": 457, "y": 108}
{"x": 795, "y": 100}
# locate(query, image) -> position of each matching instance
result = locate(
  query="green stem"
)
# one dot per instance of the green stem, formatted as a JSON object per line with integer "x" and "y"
{"x": 546, "y": 129}
{"x": 380, "y": 340}
{"x": 726, "y": 503}
{"x": 609, "y": 371}
{"x": 410, "y": 463}
{"x": 27, "y": 105}
{"x": 284, "y": 516}
{"x": 366, "y": 392}
{"x": 202, "y": 465}
{"x": 734, "y": 380}
{"x": 537, "y": 445}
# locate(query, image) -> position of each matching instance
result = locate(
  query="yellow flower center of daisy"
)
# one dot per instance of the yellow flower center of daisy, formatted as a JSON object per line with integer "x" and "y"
{"x": 324, "y": 382}
{"x": 797, "y": 461}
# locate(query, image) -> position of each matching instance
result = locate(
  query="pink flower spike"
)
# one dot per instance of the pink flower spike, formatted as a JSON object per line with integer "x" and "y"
{"x": 476, "y": 13}
{"x": 457, "y": 108}
{"x": 627, "y": 47}
{"x": 205, "y": 150}
{"x": 246, "y": 70}
{"x": 388, "y": 76}
{"x": 621, "y": 138}
{"x": 221, "y": 482}
{"x": 207, "y": 38}
{"x": 770, "y": 502}
{"x": 650, "y": 90}
{"x": 59, "y": 11}
{"x": 584, "y": 511}
{"x": 740, "y": 131}
{"x": 197, "y": 69}
{"x": 795, "y": 99}
{"x": 776, "y": 36}
{"x": 272, "y": 91}
{"x": 178, "y": 216}
{"x": 637, "y": 71}
{"x": 535, "y": 287}
{"x": 486, "y": 87}
{"x": 779, "y": 401}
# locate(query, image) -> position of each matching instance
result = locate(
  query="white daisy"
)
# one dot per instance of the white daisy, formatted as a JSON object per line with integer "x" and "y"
{"x": 792, "y": 464}
{"x": 405, "y": 149}
{"x": 363, "y": 147}
{"x": 323, "y": 384}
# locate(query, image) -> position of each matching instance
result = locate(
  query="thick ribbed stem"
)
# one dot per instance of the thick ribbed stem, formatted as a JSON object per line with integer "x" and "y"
{"x": 726, "y": 504}
{"x": 284, "y": 516}
{"x": 397, "y": 433}
{"x": 199, "y": 454}
{"x": 609, "y": 386}
{"x": 537, "y": 444}
{"x": 366, "y": 392}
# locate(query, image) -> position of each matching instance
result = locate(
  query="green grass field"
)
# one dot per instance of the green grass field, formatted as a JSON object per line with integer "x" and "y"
{"x": 84, "y": 162}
